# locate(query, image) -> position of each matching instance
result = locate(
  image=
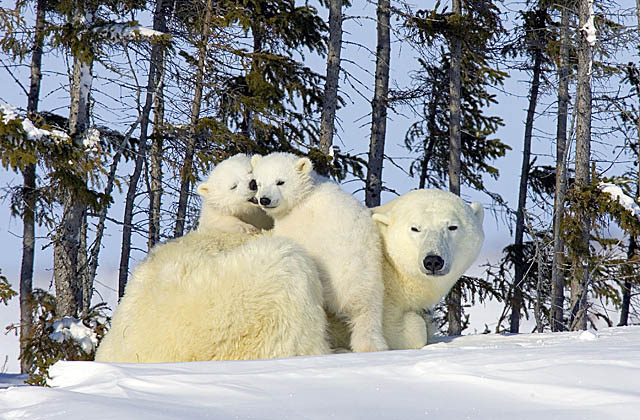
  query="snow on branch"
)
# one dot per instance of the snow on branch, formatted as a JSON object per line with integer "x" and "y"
{"x": 72, "y": 329}
{"x": 120, "y": 31}
{"x": 589, "y": 28}
{"x": 9, "y": 113}
{"x": 617, "y": 194}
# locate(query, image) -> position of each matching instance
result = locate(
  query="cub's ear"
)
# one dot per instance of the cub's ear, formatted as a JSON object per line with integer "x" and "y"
{"x": 203, "y": 189}
{"x": 381, "y": 218}
{"x": 255, "y": 159}
{"x": 478, "y": 211}
{"x": 304, "y": 165}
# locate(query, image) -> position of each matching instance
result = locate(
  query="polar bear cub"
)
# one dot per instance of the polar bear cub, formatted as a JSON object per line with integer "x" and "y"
{"x": 339, "y": 234}
{"x": 226, "y": 199}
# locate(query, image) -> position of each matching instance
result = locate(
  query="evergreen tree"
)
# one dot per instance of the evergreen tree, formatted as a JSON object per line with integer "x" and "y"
{"x": 457, "y": 148}
{"x": 534, "y": 44}
{"x": 379, "y": 106}
{"x": 581, "y": 270}
{"x": 153, "y": 80}
{"x": 557, "y": 274}
{"x": 330, "y": 100}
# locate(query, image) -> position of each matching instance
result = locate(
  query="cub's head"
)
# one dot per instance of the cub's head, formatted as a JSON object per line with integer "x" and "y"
{"x": 280, "y": 181}
{"x": 431, "y": 234}
{"x": 227, "y": 188}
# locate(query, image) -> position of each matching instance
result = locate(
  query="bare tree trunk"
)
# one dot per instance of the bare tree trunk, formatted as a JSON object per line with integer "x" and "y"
{"x": 633, "y": 245}
{"x": 520, "y": 265}
{"x": 580, "y": 275}
{"x": 186, "y": 174}
{"x": 379, "y": 105}
{"x": 28, "y": 254}
{"x": 247, "y": 124}
{"x": 155, "y": 154}
{"x": 626, "y": 287}
{"x": 557, "y": 276}
{"x": 29, "y": 195}
{"x": 327, "y": 121}
{"x": 432, "y": 127}
{"x": 66, "y": 240}
{"x": 454, "y": 299}
{"x": 83, "y": 272}
{"x": 65, "y": 259}
{"x": 156, "y": 56}
{"x": 157, "y": 136}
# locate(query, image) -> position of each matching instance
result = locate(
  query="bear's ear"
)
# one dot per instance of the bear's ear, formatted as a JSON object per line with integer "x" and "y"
{"x": 381, "y": 218}
{"x": 255, "y": 159}
{"x": 478, "y": 211}
{"x": 304, "y": 165}
{"x": 203, "y": 189}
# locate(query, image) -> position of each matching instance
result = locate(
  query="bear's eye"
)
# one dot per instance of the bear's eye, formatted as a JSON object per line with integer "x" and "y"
{"x": 415, "y": 229}
{"x": 234, "y": 186}
{"x": 453, "y": 227}
{"x": 280, "y": 182}
{"x": 253, "y": 185}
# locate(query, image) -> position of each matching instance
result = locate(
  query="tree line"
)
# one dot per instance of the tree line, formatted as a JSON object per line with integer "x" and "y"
{"x": 159, "y": 92}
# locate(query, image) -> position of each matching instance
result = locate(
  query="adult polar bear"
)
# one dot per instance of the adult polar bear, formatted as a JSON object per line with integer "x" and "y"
{"x": 338, "y": 233}
{"x": 430, "y": 238}
{"x": 219, "y": 293}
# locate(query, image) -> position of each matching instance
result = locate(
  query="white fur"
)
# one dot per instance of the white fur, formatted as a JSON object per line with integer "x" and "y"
{"x": 219, "y": 297}
{"x": 225, "y": 199}
{"x": 337, "y": 231}
{"x": 409, "y": 286}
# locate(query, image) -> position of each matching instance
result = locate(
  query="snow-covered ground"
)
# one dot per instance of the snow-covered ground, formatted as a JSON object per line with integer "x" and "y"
{"x": 528, "y": 376}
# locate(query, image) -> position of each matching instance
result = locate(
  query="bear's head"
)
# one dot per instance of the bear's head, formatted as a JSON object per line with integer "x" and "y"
{"x": 281, "y": 181}
{"x": 227, "y": 188}
{"x": 431, "y": 234}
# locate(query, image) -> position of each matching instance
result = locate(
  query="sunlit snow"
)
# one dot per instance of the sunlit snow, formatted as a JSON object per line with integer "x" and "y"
{"x": 69, "y": 328}
{"x": 564, "y": 376}
{"x": 589, "y": 28}
{"x": 117, "y": 31}
{"x": 10, "y": 113}
{"x": 91, "y": 139}
{"x": 616, "y": 192}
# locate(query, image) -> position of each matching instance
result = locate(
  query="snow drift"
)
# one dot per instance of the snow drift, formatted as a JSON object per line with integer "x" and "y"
{"x": 577, "y": 375}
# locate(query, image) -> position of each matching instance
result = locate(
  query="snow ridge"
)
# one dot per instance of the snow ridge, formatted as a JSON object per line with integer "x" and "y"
{"x": 552, "y": 376}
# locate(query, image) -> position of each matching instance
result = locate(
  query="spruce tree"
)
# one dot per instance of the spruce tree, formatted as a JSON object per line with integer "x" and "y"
{"x": 456, "y": 148}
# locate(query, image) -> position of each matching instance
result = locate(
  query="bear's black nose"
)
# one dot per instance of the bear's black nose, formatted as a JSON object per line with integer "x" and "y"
{"x": 433, "y": 263}
{"x": 253, "y": 185}
{"x": 265, "y": 201}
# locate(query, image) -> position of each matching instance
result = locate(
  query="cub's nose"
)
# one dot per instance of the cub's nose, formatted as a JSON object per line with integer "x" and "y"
{"x": 265, "y": 201}
{"x": 433, "y": 263}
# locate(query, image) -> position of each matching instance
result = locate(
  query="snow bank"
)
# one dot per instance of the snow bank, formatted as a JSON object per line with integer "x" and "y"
{"x": 529, "y": 376}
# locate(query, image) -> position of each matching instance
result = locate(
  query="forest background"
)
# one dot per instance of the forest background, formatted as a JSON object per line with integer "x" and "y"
{"x": 118, "y": 100}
